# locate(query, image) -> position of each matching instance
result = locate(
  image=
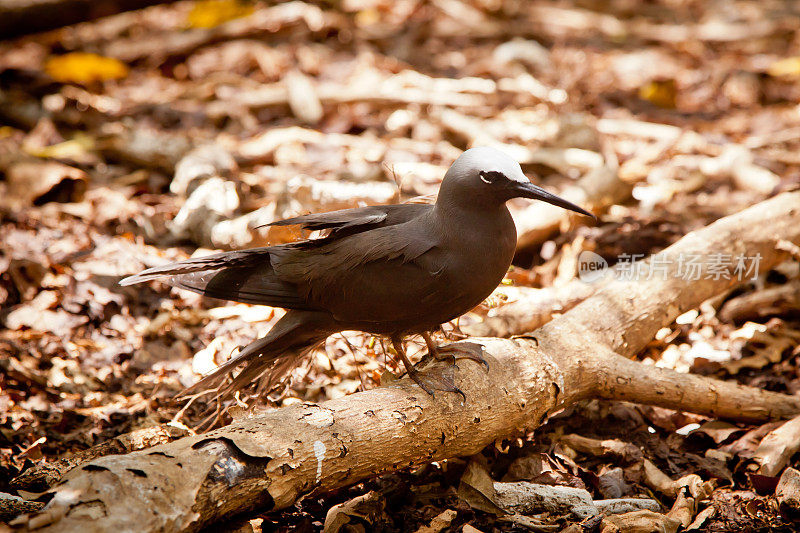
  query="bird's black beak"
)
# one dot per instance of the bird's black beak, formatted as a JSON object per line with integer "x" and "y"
{"x": 529, "y": 190}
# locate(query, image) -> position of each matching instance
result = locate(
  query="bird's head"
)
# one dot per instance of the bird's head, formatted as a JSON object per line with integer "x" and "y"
{"x": 485, "y": 177}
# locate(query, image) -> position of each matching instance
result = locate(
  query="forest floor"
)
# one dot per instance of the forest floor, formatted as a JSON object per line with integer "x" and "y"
{"x": 156, "y": 134}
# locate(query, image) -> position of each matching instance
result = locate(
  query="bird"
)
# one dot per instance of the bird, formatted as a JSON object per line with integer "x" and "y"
{"x": 390, "y": 270}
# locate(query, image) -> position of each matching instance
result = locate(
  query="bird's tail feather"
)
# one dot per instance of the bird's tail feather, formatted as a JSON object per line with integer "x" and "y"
{"x": 273, "y": 355}
{"x": 242, "y": 276}
{"x": 213, "y": 262}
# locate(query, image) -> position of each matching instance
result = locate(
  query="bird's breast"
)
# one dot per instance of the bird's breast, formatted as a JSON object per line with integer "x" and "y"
{"x": 479, "y": 258}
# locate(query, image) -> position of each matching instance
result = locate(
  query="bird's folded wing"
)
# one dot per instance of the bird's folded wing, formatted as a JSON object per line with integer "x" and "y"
{"x": 347, "y": 222}
{"x": 344, "y": 218}
{"x": 343, "y": 272}
{"x": 332, "y": 259}
{"x": 289, "y": 275}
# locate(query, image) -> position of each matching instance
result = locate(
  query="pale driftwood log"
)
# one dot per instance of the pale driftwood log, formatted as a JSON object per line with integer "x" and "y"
{"x": 271, "y": 460}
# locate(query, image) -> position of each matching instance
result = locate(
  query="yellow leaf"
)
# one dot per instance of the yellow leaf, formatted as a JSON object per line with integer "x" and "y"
{"x": 789, "y": 66}
{"x": 211, "y": 13}
{"x": 71, "y": 149}
{"x": 661, "y": 93}
{"x": 6, "y": 131}
{"x": 81, "y": 67}
{"x": 367, "y": 17}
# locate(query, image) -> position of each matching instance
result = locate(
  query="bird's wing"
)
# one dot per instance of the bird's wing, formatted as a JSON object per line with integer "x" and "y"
{"x": 242, "y": 276}
{"x": 288, "y": 275}
{"x": 345, "y": 218}
{"x": 382, "y": 263}
{"x": 329, "y": 259}
{"x": 349, "y": 221}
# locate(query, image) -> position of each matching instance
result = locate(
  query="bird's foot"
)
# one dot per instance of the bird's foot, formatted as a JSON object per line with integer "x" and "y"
{"x": 461, "y": 350}
{"x": 438, "y": 378}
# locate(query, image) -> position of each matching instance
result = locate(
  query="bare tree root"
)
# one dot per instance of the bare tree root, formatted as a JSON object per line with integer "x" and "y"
{"x": 618, "y": 378}
{"x": 271, "y": 460}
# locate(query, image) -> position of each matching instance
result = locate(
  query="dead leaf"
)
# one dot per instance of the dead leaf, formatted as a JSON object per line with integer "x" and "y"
{"x": 212, "y": 13}
{"x": 477, "y": 489}
{"x": 640, "y": 522}
{"x": 788, "y": 66}
{"x": 85, "y": 68}
{"x": 661, "y": 93}
{"x": 368, "y": 509}
{"x": 37, "y": 316}
{"x": 36, "y": 182}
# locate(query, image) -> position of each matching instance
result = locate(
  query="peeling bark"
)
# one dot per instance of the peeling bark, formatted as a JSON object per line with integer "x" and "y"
{"x": 271, "y": 460}
{"x": 42, "y": 477}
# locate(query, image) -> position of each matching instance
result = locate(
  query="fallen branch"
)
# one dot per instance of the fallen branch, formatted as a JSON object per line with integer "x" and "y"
{"x": 404, "y": 88}
{"x": 529, "y": 308}
{"x": 261, "y": 148}
{"x": 777, "y": 448}
{"x": 399, "y": 89}
{"x": 269, "y": 461}
{"x": 523, "y": 498}
{"x": 11, "y": 506}
{"x": 763, "y": 303}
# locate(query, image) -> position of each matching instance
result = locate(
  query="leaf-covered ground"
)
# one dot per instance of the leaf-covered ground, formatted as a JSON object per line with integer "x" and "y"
{"x": 152, "y": 135}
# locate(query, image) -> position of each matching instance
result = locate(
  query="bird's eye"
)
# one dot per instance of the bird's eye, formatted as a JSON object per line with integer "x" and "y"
{"x": 490, "y": 176}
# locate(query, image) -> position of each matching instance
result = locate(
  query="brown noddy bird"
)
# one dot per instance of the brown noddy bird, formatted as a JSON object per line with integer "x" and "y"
{"x": 391, "y": 270}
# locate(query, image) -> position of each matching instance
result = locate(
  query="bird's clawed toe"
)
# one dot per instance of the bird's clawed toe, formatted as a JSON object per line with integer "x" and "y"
{"x": 437, "y": 378}
{"x": 462, "y": 350}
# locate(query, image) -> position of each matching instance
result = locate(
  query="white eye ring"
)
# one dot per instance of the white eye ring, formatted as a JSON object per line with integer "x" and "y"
{"x": 480, "y": 175}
